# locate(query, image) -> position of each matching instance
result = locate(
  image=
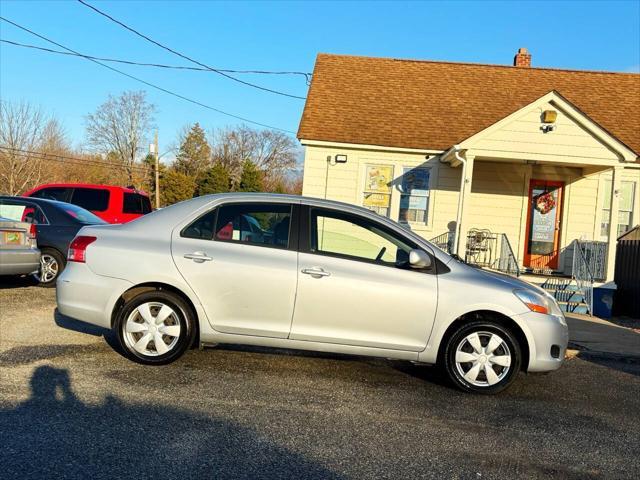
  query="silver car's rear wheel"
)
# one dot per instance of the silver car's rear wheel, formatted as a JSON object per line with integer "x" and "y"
{"x": 152, "y": 329}
{"x": 155, "y": 327}
{"x": 483, "y": 358}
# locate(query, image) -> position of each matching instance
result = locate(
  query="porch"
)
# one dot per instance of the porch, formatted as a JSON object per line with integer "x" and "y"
{"x": 533, "y": 187}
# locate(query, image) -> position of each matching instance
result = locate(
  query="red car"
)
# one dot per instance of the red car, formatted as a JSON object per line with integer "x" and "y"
{"x": 110, "y": 203}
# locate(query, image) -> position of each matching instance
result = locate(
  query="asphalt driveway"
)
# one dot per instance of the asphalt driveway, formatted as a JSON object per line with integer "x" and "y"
{"x": 72, "y": 407}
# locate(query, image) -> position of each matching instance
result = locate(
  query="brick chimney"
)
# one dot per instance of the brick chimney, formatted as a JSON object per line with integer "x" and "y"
{"x": 522, "y": 58}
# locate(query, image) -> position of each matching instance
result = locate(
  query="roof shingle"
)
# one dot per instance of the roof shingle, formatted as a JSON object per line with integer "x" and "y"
{"x": 434, "y": 105}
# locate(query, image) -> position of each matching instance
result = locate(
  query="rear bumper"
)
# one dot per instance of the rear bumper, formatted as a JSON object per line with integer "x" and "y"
{"x": 548, "y": 342}
{"x": 83, "y": 295}
{"x": 19, "y": 261}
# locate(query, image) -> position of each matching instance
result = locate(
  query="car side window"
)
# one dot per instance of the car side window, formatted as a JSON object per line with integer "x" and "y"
{"x": 202, "y": 228}
{"x": 93, "y": 199}
{"x": 266, "y": 224}
{"x": 53, "y": 193}
{"x": 136, "y": 203}
{"x": 338, "y": 234}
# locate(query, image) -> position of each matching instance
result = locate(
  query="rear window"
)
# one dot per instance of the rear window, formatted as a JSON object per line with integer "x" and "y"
{"x": 81, "y": 215}
{"x": 136, "y": 203}
{"x": 22, "y": 212}
{"x": 96, "y": 200}
{"x": 53, "y": 193}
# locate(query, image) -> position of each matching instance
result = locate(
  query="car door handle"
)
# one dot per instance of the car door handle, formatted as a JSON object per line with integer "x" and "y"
{"x": 315, "y": 272}
{"x": 198, "y": 257}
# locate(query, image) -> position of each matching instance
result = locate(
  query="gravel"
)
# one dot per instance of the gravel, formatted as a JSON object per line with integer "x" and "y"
{"x": 72, "y": 407}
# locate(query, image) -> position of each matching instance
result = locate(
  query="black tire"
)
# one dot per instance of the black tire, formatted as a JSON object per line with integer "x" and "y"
{"x": 44, "y": 280}
{"x": 482, "y": 383}
{"x": 183, "y": 316}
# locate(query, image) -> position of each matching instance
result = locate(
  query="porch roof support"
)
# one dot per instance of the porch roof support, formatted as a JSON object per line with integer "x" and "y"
{"x": 613, "y": 220}
{"x": 455, "y": 157}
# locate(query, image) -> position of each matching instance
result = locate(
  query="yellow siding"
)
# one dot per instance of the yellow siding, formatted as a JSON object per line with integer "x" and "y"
{"x": 523, "y": 138}
{"x": 499, "y": 192}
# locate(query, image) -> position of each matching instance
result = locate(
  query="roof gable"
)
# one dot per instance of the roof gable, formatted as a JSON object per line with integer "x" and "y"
{"x": 433, "y": 105}
{"x": 574, "y": 134}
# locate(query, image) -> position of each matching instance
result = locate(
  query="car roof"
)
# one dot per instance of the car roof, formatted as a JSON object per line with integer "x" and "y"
{"x": 87, "y": 185}
{"x": 40, "y": 201}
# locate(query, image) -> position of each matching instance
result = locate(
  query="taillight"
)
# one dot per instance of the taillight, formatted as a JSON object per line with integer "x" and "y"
{"x": 32, "y": 231}
{"x": 78, "y": 248}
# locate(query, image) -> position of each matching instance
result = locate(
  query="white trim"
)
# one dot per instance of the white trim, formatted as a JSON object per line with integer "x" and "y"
{"x": 361, "y": 146}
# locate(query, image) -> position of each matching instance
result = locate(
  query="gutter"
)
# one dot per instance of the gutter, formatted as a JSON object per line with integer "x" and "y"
{"x": 454, "y": 157}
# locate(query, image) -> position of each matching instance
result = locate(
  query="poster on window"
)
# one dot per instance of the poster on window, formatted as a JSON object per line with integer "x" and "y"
{"x": 378, "y": 179}
{"x": 544, "y": 217}
{"x": 415, "y": 181}
{"x": 376, "y": 200}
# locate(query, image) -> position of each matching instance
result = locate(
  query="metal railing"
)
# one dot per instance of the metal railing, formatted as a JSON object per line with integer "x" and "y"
{"x": 491, "y": 250}
{"x": 507, "y": 262}
{"x": 581, "y": 273}
{"x": 595, "y": 254}
{"x": 445, "y": 241}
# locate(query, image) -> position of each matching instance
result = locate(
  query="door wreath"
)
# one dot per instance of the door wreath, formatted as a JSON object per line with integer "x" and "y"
{"x": 545, "y": 202}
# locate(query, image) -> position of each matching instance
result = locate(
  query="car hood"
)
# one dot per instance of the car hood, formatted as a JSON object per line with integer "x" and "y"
{"x": 509, "y": 281}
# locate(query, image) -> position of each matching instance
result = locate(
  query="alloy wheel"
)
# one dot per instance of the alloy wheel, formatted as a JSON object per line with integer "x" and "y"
{"x": 152, "y": 329}
{"x": 483, "y": 359}
{"x": 49, "y": 268}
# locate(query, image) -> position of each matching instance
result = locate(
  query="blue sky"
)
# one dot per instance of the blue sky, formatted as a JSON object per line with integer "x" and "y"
{"x": 286, "y": 36}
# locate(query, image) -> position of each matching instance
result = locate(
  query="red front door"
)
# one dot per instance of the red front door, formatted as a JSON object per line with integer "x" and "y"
{"x": 542, "y": 242}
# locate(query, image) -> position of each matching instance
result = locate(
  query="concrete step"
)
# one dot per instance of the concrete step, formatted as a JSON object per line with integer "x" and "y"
{"x": 574, "y": 307}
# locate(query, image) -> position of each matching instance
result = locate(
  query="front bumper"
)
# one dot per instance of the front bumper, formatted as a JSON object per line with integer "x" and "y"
{"x": 83, "y": 295}
{"x": 548, "y": 343}
{"x": 19, "y": 261}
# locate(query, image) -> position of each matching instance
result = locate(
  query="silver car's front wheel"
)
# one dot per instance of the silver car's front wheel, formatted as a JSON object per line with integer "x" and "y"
{"x": 482, "y": 357}
{"x": 155, "y": 327}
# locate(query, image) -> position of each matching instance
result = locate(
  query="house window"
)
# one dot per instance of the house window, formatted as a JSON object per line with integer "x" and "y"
{"x": 414, "y": 199}
{"x": 377, "y": 188}
{"x": 625, "y": 208}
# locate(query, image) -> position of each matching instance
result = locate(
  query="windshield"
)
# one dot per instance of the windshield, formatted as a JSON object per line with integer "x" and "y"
{"x": 81, "y": 215}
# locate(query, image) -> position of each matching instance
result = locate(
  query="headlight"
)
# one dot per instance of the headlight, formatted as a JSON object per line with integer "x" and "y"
{"x": 537, "y": 302}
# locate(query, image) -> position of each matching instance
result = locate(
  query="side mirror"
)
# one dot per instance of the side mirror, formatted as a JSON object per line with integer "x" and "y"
{"x": 419, "y": 259}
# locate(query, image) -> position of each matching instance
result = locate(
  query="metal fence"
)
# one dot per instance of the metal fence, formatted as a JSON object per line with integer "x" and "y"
{"x": 445, "y": 241}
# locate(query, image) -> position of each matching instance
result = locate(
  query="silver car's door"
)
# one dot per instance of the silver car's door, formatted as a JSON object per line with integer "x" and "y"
{"x": 355, "y": 286}
{"x": 241, "y": 261}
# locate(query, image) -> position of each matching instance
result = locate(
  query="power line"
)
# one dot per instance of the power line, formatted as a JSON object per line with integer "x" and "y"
{"x": 73, "y": 160}
{"x": 307, "y": 76}
{"x": 152, "y": 85}
{"x": 181, "y": 55}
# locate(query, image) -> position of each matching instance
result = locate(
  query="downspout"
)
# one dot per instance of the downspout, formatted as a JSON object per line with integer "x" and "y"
{"x": 456, "y": 152}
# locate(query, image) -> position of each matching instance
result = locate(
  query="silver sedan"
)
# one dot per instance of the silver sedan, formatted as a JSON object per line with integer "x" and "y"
{"x": 302, "y": 273}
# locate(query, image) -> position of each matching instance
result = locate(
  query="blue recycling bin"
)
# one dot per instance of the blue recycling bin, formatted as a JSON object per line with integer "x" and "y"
{"x": 603, "y": 300}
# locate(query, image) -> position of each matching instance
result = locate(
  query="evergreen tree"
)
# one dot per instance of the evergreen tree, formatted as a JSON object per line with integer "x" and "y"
{"x": 194, "y": 155}
{"x": 213, "y": 180}
{"x": 175, "y": 187}
{"x": 252, "y": 178}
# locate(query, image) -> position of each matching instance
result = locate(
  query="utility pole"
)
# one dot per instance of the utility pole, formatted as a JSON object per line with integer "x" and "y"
{"x": 157, "y": 158}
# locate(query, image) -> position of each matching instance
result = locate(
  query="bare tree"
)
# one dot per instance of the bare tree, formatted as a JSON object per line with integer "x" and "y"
{"x": 272, "y": 152}
{"x": 21, "y": 132}
{"x": 121, "y": 126}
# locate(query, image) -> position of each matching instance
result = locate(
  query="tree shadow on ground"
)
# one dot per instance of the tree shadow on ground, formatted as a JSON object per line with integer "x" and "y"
{"x": 53, "y": 434}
